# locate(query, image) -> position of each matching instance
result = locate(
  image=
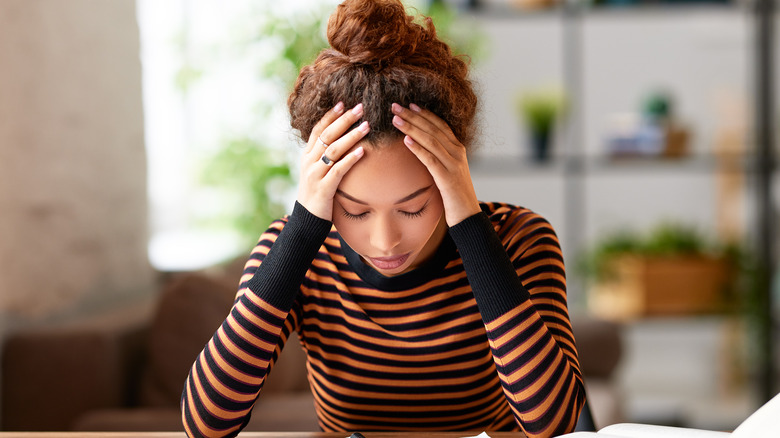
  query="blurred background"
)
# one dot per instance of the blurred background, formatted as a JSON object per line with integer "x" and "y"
{"x": 145, "y": 141}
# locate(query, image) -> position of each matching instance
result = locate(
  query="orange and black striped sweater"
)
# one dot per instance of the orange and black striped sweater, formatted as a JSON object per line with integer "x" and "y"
{"x": 478, "y": 338}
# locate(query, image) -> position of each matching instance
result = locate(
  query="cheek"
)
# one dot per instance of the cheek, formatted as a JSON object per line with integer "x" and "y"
{"x": 353, "y": 232}
{"x": 423, "y": 228}
{"x": 417, "y": 231}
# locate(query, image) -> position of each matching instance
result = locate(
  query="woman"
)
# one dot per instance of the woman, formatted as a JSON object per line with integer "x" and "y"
{"x": 419, "y": 308}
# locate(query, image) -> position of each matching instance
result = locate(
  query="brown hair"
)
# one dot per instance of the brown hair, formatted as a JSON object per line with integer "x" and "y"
{"x": 380, "y": 55}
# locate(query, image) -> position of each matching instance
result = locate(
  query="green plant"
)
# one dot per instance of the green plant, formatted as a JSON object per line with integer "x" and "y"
{"x": 541, "y": 108}
{"x": 252, "y": 167}
{"x": 665, "y": 239}
{"x": 251, "y": 172}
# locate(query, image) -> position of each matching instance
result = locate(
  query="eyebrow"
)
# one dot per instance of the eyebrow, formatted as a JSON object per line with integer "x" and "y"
{"x": 400, "y": 201}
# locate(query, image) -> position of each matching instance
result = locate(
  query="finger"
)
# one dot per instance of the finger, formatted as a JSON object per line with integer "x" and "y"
{"x": 341, "y": 167}
{"x": 435, "y": 121}
{"x": 334, "y": 152}
{"x": 426, "y": 121}
{"x": 334, "y": 130}
{"x": 424, "y": 138}
{"x": 326, "y": 120}
{"x": 426, "y": 157}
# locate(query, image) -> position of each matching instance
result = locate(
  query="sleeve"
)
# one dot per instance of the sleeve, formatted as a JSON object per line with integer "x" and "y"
{"x": 518, "y": 281}
{"x": 227, "y": 376}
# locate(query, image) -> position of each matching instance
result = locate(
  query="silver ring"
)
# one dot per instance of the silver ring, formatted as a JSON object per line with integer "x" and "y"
{"x": 328, "y": 162}
{"x": 325, "y": 145}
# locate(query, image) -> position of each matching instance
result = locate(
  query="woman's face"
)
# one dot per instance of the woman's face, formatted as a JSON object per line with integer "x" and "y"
{"x": 388, "y": 209}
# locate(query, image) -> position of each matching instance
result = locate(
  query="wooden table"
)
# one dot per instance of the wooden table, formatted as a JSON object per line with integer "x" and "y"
{"x": 257, "y": 434}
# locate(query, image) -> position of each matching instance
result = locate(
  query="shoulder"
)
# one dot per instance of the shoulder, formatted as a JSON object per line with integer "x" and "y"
{"x": 503, "y": 215}
{"x": 520, "y": 227}
{"x": 273, "y": 230}
{"x": 523, "y": 232}
{"x": 270, "y": 235}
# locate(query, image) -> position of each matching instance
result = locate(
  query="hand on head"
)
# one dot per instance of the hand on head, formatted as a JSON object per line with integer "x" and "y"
{"x": 434, "y": 144}
{"x": 325, "y": 160}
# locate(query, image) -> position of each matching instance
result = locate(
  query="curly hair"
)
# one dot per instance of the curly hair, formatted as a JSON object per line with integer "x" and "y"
{"x": 379, "y": 55}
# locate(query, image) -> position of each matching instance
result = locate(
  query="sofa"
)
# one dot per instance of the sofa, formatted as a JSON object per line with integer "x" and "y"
{"x": 124, "y": 370}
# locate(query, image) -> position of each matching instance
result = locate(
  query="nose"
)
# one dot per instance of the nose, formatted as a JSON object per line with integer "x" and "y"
{"x": 385, "y": 235}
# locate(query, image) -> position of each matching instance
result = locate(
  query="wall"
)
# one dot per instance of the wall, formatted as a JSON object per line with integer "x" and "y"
{"x": 702, "y": 55}
{"x": 73, "y": 209}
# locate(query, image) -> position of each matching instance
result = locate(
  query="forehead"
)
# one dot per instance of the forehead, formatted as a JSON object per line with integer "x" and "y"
{"x": 385, "y": 174}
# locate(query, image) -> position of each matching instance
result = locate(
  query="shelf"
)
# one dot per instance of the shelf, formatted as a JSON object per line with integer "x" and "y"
{"x": 515, "y": 12}
{"x": 521, "y": 166}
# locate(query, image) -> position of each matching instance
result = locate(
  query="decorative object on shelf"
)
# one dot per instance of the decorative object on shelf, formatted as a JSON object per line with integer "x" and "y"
{"x": 672, "y": 270}
{"x": 541, "y": 109}
{"x": 531, "y": 5}
{"x": 462, "y": 5}
{"x": 652, "y": 132}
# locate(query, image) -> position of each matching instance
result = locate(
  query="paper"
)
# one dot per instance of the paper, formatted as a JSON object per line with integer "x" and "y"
{"x": 482, "y": 435}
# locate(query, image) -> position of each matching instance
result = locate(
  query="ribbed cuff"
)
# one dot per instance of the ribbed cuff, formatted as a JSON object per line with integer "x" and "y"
{"x": 489, "y": 270}
{"x": 278, "y": 279}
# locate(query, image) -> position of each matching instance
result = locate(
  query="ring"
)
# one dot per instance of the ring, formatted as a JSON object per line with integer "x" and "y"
{"x": 325, "y": 145}
{"x": 326, "y": 160}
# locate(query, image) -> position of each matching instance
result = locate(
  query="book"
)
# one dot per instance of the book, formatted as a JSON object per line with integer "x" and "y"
{"x": 764, "y": 423}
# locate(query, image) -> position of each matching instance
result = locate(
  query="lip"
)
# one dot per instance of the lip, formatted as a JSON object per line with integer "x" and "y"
{"x": 389, "y": 263}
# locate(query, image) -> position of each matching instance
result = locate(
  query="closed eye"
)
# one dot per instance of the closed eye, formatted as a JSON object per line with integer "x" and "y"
{"x": 415, "y": 214}
{"x": 355, "y": 217}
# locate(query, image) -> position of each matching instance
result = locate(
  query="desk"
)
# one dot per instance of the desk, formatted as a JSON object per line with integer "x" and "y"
{"x": 256, "y": 434}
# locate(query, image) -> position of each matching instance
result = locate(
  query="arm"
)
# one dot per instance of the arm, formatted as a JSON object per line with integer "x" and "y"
{"x": 227, "y": 376}
{"x": 229, "y": 373}
{"x": 521, "y": 295}
{"x": 519, "y": 285}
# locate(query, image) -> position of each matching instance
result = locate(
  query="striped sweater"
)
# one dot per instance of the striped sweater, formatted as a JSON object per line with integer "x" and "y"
{"x": 477, "y": 338}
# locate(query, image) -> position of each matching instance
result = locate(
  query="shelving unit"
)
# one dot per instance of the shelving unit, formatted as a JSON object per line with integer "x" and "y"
{"x": 577, "y": 163}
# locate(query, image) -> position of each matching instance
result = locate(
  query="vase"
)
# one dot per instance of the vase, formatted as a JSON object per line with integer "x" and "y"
{"x": 540, "y": 146}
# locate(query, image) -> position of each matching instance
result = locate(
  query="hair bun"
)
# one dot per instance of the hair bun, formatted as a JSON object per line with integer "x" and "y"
{"x": 375, "y": 32}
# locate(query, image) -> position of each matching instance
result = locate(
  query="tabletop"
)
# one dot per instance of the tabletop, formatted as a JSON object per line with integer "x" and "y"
{"x": 258, "y": 434}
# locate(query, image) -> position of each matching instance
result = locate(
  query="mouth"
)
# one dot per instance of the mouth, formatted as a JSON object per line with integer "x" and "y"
{"x": 389, "y": 263}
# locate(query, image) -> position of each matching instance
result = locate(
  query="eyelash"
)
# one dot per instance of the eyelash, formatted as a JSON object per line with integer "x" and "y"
{"x": 361, "y": 216}
{"x": 417, "y": 213}
{"x": 355, "y": 217}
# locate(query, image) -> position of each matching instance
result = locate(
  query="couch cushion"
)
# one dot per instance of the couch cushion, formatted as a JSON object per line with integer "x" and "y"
{"x": 277, "y": 412}
{"x": 190, "y": 310}
{"x": 599, "y": 345}
{"x": 130, "y": 420}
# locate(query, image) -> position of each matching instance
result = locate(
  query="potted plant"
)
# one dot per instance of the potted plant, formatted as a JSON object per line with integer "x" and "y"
{"x": 671, "y": 270}
{"x": 540, "y": 110}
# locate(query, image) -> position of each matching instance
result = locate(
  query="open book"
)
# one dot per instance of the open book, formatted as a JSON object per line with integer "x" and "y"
{"x": 764, "y": 423}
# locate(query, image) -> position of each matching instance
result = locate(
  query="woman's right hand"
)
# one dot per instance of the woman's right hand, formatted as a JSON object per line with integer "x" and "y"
{"x": 323, "y": 166}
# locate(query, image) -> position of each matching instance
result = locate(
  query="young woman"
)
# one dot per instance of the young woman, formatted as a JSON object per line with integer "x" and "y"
{"x": 419, "y": 308}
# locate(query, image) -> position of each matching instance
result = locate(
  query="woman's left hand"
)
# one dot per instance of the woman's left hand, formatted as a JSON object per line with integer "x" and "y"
{"x": 434, "y": 144}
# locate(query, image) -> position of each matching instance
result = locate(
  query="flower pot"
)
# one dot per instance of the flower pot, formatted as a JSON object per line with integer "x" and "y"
{"x": 540, "y": 146}
{"x": 641, "y": 286}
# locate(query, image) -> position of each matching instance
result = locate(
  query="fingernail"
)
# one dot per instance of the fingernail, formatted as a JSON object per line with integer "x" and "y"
{"x": 397, "y": 121}
{"x": 358, "y": 109}
{"x": 408, "y": 140}
{"x": 395, "y": 108}
{"x": 363, "y": 127}
{"x": 414, "y": 107}
{"x": 358, "y": 152}
{"x": 338, "y": 108}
